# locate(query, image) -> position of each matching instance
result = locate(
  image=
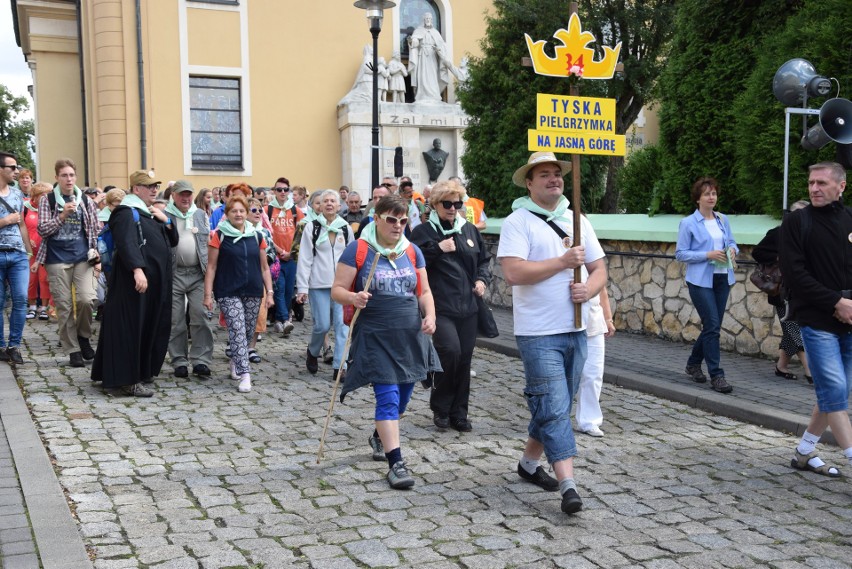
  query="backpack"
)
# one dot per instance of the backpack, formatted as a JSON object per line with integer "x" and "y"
{"x": 106, "y": 242}
{"x": 360, "y": 258}
{"x": 316, "y": 233}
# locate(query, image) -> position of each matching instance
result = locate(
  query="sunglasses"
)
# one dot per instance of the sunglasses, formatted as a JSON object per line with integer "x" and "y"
{"x": 12, "y": 167}
{"x": 391, "y": 220}
{"x": 282, "y": 189}
{"x": 255, "y": 210}
{"x": 449, "y": 204}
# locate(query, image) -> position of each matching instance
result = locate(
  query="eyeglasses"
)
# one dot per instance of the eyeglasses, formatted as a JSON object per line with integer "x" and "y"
{"x": 448, "y": 204}
{"x": 282, "y": 189}
{"x": 152, "y": 187}
{"x": 255, "y": 210}
{"x": 12, "y": 166}
{"x": 391, "y": 220}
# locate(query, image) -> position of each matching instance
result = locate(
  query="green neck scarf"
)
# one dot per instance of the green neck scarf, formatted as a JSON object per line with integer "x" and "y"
{"x": 29, "y": 206}
{"x": 558, "y": 213}
{"x": 227, "y": 229}
{"x": 60, "y": 200}
{"x": 368, "y": 234}
{"x": 311, "y": 215}
{"x": 214, "y": 205}
{"x": 288, "y": 203}
{"x": 103, "y": 215}
{"x": 328, "y": 226}
{"x": 187, "y": 217}
{"x": 458, "y": 222}
{"x": 132, "y": 200}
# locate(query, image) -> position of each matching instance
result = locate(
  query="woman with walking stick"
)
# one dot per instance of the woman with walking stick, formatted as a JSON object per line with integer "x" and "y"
{"x": 390, "y": 349}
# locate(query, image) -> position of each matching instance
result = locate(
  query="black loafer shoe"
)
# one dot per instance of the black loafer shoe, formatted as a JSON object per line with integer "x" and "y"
{"x": 15, "y": 356}
{"x": 76, "y": 359}
{"x": 311, "y": 362}
{"x": 86, "y": 348}
{"x": 461, "y": 425}
{"x": 571, "y": 502}
{"x": 441, "y": 421}
{"x": 201, "y": 370}
{"x": 4, "y": 355}
{"x": 541, "y": 478}
{"x": 181, "y": 371}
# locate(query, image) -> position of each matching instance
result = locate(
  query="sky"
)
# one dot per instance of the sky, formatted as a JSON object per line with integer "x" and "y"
{"x": 14, "y": 72}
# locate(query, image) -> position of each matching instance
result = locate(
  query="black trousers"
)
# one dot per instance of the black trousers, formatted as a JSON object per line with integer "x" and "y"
{"x": 454, "y": 340}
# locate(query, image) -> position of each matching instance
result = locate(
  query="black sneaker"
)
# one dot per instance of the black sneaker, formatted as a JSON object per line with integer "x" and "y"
{"x": 14, "y": 355}
{"x": 181, "y": 371}
{"x": 76, "y": 359}
{"x": 378, "y": 448}
{"x": 441, "y": 421}
{"x": 298, "y": 312}
{"x": 695, "y": 374}
{"x": 311, "y": 362}
{"x": 4, "y": 355}
{"x": 86, "y": 348}
{"x": 328, "y": 354}
{"x": 461, "y": 425}
{"x": 719, "y": 384}
{"x": 398, "y": 476}
{"x": 571, "y": 502}
{"x": 201, "y": 370}
{"x": 541, "y": 478}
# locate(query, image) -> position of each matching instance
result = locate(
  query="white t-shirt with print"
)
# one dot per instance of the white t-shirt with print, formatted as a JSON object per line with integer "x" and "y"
{"x": 545, "y": 307}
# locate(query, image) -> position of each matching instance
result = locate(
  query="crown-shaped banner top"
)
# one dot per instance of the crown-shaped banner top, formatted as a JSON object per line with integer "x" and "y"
{"x": 573, "y": 57}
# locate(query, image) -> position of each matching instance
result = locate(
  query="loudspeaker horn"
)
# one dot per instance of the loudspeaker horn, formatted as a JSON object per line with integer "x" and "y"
{"x": 835, "y": 124}
{"x": 794, "y": 79}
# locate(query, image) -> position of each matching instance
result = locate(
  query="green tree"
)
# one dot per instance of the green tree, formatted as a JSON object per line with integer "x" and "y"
{"x": 815, "y": 33}
{"x": 15, "y": 134}
{"x": 500, "y": 94}
{"x": 712, "y": 55}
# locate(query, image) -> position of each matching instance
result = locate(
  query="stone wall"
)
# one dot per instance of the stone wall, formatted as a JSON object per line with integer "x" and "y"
{"x": 650, "y": 296}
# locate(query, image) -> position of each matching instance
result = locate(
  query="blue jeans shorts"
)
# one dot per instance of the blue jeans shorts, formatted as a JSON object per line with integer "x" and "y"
{"x": 552, "y": 365}
{"x": 391, "y": 400}
{"x": 830, "y": 360}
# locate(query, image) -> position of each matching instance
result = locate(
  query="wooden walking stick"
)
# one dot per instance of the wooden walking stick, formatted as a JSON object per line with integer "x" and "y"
{"x": 342, "y": 370}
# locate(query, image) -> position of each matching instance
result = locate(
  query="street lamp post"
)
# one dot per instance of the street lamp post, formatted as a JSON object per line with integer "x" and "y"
{"x": 375, "y": 13}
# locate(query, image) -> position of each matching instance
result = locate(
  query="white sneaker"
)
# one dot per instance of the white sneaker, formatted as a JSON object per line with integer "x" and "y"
{"x": 245, "y": 384}
{"x": 279, "y": 327}
{"x": 234, "y": 374}
{"x": 473, "y": 373}
{"x": 594, "y": 432}
{"x": 287, "y": 327}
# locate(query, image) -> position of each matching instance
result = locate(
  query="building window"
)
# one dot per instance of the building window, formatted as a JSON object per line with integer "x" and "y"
{"x": 215, "y": 123}
{"x": 411, "y": 17}
{"x": 230, "y": 2}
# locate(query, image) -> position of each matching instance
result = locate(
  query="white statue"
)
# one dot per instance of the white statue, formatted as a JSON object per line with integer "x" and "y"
{"x": 398, "y": 73}
{"x": 464, "y": 70}
{"x": 362, "y": 90}
{"x": 383, "y": 80}
{"x": 428, "y": 62}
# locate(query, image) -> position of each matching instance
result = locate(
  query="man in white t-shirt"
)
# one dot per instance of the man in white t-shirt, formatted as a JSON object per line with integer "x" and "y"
{"x": 539, "y": 262}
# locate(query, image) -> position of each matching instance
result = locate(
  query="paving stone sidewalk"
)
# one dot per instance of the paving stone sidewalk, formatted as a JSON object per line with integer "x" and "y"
{"x": 202, "y": 476}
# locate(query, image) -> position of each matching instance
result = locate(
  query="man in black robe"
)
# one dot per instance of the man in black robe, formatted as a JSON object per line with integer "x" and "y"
{"x": 137, "y": 318}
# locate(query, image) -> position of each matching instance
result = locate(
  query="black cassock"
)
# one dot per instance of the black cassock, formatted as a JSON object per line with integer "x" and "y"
{"x": 135, "y": 328}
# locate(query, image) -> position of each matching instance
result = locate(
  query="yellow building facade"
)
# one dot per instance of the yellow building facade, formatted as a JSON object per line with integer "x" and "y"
{"x": 213, "y": 91}
{"x": 260, "y": 78}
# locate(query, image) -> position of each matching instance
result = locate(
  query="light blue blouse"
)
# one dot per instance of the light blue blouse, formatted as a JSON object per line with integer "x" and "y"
{"x": 693, "y": 243}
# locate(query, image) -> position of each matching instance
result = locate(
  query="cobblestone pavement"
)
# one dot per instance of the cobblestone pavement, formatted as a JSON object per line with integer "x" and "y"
{"x": 202, "y": 476}
{"x": 17, "y": 547}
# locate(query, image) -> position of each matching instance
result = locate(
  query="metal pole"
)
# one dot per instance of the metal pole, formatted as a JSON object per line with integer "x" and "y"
{"x": 375, "y": 28}
{"x": 575, "y": 202}
{"x": 786, "y": 155}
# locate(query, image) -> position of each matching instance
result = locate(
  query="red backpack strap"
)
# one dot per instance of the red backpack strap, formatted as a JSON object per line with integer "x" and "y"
{"x": 360, "y": 259}
{"x": 412, "y": 256}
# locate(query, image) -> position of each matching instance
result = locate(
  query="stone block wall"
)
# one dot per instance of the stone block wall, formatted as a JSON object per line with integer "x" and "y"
{"x": 650, "y": 296}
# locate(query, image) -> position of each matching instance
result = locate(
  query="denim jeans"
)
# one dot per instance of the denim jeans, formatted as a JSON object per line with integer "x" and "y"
{"x": 830, "y": 360}
{"x": 553, "y": 365}
{"x": 323, "y": 310}
{"x": 710, "y": 304}
{"x": 284, "y": 290}
{"x": 14, "y": 269}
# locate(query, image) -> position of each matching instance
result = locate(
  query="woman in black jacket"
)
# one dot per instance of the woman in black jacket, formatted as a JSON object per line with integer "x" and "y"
{"x": 766, "y": 253}
{"x": 458, "y": 270}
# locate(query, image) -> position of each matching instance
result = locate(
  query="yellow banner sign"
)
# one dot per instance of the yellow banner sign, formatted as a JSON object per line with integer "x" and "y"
{"x": 557, "y": 112}
{"x": 576, "y": 142}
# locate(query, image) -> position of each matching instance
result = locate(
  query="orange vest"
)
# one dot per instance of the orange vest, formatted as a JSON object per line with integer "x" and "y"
{"x": 473, "y": 210}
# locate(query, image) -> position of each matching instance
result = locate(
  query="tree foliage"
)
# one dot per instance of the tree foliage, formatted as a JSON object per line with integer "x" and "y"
{"x": 15, "y": 134}
{"x": 500, "y": 94}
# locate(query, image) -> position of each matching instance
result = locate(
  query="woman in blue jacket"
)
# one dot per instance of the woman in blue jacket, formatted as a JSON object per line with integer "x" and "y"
{"x": 707, "y": 246}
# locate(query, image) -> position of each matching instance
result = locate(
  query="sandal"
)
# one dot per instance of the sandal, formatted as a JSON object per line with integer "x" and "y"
{"x": 803, "y": 462}
{"x": 253, "y": 357}
{"x": 31, "y": 313}
{"x": 785, "y": 374}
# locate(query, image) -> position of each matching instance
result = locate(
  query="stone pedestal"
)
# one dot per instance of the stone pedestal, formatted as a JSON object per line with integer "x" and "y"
{"x": 412, "y": 126}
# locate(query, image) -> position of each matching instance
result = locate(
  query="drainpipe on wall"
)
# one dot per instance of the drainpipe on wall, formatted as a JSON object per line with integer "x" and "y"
{"x": 83, "y": 93}
{"x": 143, "y": 139}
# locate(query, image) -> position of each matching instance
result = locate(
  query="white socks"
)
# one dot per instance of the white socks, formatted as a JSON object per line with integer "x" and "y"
{"x": 808, "y": 444}
{"x": 530, "y": 465}
{"x": 566, "y": 484}
{"x": 848, "y": 454}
